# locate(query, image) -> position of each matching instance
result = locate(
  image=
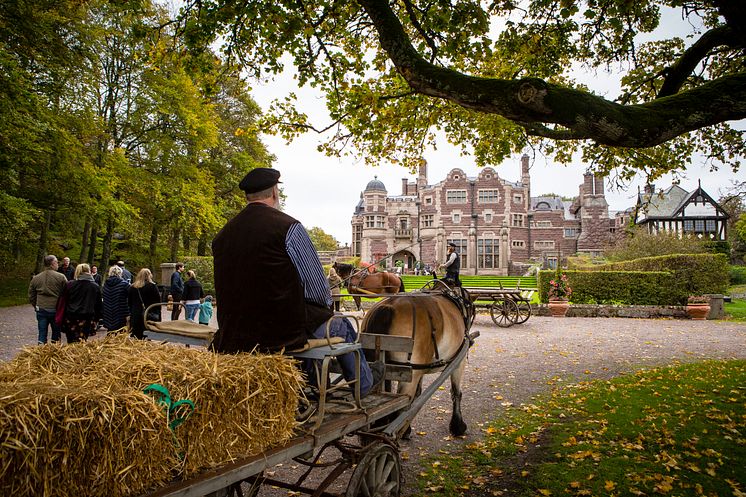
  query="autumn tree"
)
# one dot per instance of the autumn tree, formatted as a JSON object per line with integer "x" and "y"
{"x": 497, "y": 76}
{"x": 322, "y": 240}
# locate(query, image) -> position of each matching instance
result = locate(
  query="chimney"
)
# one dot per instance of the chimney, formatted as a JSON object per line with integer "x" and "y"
{"x": 404, "y": 186}
{"x": 525, "y": 177}
{"x": 422, "y": 178}
{"x": 588, "y": 184}
{"x": 598, "y": 184}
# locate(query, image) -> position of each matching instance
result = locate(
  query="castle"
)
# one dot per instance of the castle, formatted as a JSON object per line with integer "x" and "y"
{"x": 496, "y": 224}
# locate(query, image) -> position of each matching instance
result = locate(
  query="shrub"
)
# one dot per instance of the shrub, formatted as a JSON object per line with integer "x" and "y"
{"x": 691, "y": 274}
{"x": 738, "y": 275}
{"x": 615, "y": 287}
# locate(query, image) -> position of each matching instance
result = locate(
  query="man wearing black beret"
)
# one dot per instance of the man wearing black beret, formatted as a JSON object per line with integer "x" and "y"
{"x": 271, "y": 290}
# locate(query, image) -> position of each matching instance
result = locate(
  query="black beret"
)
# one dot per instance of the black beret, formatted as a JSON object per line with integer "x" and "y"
{"x": 259, "y": 179}
{"x": 451, "y": 244}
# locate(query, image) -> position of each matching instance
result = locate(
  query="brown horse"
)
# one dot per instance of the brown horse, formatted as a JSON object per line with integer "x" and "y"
{"x": 361, "y": 281}
{"x": 438, "y": 321}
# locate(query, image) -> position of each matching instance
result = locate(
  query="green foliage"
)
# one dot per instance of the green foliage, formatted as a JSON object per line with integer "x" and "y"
{"x": 614, "y": 287}
{"x": 691, "y": 274}
{"x": 338, "y": 50}
{"x": 640, "y": 243}
{"x": 14, "y": 291}
{"x": 738, "y": 275}
{"x": 321, "y": 240}
{"x": 205, "y": 270}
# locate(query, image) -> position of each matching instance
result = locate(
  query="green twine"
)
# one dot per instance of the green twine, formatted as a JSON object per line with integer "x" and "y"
{"x": 176, "y": 412}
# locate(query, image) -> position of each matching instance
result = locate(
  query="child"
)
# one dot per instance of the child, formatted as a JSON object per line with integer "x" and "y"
{"x": 205, "y": 311}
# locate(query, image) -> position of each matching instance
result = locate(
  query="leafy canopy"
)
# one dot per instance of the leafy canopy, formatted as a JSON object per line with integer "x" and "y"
{"x": 494, "y": 77}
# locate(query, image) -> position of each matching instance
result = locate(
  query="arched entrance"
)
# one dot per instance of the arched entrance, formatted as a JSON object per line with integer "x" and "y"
{"x": 407, "y": 260}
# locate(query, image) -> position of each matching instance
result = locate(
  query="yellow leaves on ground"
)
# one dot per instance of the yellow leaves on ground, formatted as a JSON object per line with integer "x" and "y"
{"x": 609, "y": 485}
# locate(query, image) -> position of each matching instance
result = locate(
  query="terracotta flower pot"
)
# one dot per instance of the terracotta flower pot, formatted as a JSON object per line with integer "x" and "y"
{"x": 558, "y": 308}
{"x": 698, "y": 312}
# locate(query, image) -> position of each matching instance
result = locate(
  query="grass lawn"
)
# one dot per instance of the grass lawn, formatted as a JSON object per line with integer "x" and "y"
{"x": 13, "y": 291}
{"x": 736, "y": 309}
{"x": 671, "y": 431}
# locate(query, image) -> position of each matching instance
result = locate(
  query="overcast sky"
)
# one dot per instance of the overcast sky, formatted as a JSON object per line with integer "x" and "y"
{"x": 323, "y": 191}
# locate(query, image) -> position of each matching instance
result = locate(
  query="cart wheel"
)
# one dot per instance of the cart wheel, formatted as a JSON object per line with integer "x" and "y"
{"x": 504, "y": 313}
{"x": 524, "y": 311}
{"x": 378, "y": 474}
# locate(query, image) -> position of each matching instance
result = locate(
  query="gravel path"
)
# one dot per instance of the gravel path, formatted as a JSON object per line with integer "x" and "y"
{"x": 510, "y": 366}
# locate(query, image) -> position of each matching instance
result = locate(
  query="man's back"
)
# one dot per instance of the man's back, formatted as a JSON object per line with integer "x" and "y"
{"x": 257, "y": 285}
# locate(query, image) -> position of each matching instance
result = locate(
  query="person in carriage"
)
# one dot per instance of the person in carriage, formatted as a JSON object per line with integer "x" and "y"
{"x": 272, "y": 289}
{"x": 452, "y": 265}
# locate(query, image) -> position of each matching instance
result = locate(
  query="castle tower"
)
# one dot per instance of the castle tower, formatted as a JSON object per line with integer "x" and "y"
{"x": 594, "y": 215}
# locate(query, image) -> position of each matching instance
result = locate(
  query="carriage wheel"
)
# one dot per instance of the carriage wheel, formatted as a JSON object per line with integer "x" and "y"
{"x": 524, "y": 311}
{"x": 504, "y": 313}
{"x": 378, "y": 474}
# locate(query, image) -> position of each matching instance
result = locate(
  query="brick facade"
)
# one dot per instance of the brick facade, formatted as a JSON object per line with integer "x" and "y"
{"x": 496, "y": 223}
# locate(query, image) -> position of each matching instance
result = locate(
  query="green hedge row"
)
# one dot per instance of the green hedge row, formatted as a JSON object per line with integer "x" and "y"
{"x": 738, "y": 275}
{"x": 689, "y": 274}
{"x": 614, "y": 287}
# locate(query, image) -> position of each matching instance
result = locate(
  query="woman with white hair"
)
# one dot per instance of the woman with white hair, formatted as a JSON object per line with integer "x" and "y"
{"x": 82, "y": 306}
{"x": 116, "y": 308}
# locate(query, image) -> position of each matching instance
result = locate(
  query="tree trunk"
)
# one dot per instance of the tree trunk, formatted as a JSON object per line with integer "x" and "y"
{"x": 175, "y": 244}
{"x": 202, "y": 247}
{"x": 187, "y": 243}
{"x": 84, "y": 240}
{"x": 106, "y": 252}
{"x": 92, "y": 244}
{"x": 43, "y": 240}
{"x": 153, "y": 246}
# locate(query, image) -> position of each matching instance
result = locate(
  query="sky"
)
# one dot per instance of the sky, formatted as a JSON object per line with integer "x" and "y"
{"x": 322, "y": 191}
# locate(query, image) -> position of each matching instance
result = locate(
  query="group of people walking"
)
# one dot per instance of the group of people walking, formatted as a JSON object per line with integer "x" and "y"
{"x": 71, "y": 300}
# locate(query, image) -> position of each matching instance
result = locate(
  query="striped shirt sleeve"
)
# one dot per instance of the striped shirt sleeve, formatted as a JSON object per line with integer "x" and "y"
{"x": 306, "y": 262}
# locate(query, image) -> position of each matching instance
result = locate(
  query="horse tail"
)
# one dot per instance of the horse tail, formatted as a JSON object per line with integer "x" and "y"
{"x": 379, "y": 319}
{"x": 401, "y": 285}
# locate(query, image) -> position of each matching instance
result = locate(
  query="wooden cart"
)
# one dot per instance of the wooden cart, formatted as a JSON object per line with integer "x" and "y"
{"x": 365, "y": 433}
{"x": 508, "y": 306}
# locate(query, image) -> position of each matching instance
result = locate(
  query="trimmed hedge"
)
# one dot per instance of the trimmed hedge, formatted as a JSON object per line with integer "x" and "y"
{"x": 690, "y": 274}
{"x": 614, "y": 287}
{"x": 738, "y": 275}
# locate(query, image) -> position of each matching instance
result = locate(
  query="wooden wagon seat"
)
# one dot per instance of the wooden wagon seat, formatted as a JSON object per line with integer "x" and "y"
{"x": 183, "y": 328}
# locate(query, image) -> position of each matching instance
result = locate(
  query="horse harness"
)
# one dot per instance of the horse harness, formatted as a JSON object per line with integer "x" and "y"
{"x": 466, "y": 307}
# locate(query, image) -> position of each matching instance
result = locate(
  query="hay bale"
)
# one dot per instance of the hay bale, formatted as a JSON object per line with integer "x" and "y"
{"x": 56, "y": 440}
{"x": 245, "y": 403}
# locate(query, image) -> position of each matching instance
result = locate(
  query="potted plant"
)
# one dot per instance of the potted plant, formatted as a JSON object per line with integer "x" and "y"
{"x": 559, "y": 295}
{"x": 698, "y": 307}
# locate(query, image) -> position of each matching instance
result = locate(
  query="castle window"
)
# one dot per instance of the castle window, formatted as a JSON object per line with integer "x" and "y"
{"x": 518, "y": 220}
{"x": 456, "y": 217}
{"x": 427, "y": 221}
{"x": 428, "y": 200}
{"x": 518, "y": 198}
{"x": 543, "y": 224}
{"x": 518, "y": 243}
{"x": 375, "y": 222}
{"x": 544, "y": 244}
{"x": 487, "y": 196}
{"x": 456, "y": 196}
{"x": 487, "y": 217}
{"x": 487, "y": 253}
{"x": 571, "y": 232}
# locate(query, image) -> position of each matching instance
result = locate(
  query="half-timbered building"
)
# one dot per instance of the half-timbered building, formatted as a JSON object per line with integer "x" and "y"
{"x": 680, "y": 212}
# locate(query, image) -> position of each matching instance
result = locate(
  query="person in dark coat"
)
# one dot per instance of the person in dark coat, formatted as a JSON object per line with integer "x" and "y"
{"x": 193, "y": 294}
{"x": 82, "y": 306}
{"x": 177, "y": 290}
{"x": 67, "y": 269}
{"x": 142, "y": 294}
{"x": 116, "y": 306}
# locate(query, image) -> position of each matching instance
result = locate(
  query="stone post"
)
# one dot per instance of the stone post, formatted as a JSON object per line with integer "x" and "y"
{"x": 717, "y": 310}
{"x": 167, "y": 269}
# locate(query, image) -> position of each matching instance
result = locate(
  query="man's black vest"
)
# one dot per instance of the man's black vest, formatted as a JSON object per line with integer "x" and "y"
{"x": 259, "y": 294}
{"x": 456, "y": 266}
